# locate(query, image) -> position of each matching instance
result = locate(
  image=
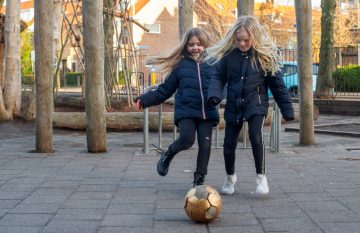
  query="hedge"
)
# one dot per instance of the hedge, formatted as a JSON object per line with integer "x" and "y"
{"x": 347, "y": 79}
{"x": 27, "y": 79}
{"x": 72, "y": 79}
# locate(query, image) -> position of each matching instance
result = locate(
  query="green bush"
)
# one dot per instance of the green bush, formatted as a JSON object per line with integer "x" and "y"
{"x": 121, "y": 80}
{"x": 347, "y": 79}
{"x": 27, "y": 79}
{"x": 72, "y": 79}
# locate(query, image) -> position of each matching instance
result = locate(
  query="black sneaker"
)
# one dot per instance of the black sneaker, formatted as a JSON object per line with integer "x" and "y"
{"x": 164, "y": 163}
{"x": 198, "y": 179}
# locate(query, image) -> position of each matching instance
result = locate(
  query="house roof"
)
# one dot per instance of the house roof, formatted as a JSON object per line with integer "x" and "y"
{"x": 139, "y": 4}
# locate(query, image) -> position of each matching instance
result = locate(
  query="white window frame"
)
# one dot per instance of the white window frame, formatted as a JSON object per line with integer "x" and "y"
{"x": 152, "y": 31}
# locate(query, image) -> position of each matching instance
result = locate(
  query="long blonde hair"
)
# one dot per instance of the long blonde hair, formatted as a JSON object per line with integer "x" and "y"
{"x": 264, "y": 48}
{"x": 167, "y": 63}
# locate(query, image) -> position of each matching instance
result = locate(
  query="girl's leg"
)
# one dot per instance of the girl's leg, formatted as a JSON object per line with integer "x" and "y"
{"x": 256, "y": 138}
{"x": 230, "y": 143}
{"x": 186, "y": 139}
{"x": 204, "y": 134}
{"x": 232, "y": 132}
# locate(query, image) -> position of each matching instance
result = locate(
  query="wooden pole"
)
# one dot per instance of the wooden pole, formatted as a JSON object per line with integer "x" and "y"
{"x": 304, "y": 32}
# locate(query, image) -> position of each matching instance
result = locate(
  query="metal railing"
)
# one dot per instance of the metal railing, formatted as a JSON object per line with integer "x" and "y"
{"x": 275, "y": 133}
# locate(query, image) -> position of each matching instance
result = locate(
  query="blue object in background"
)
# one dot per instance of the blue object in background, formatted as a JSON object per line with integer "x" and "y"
{"x": 291, "y": 77}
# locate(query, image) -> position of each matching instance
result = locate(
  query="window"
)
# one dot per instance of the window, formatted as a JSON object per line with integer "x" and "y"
{"x": 154, "y": 28}
{"x": 27, "y": 15}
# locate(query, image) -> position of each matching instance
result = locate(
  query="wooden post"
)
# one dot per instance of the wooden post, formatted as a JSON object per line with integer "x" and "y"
{"x": 44, "y": 74}
{"x": 94, "y": 73}
{"x": 324, "y": 82}
{"x": 185, "y": 16}
{"x": 245, "y": 7}
{"x": 304, "y": 32}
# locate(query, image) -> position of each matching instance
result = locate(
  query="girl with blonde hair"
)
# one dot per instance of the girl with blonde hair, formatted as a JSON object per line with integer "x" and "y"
{"x": 247, "y": 64}
{"x": 189, "y": 79}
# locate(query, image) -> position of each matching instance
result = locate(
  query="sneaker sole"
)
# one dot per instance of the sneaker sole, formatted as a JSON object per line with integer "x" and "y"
{"x": 227, "y": 193}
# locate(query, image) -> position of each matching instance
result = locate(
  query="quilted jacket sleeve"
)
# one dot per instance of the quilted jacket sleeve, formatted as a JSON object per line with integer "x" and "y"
{"x": 281, "y": 95}
{"x": 162, "y": 93}
{"x": 218, "y": 81}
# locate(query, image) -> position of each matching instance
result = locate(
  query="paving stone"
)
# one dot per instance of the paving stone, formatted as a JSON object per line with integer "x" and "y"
{"x": 85, "y": 204}
{"x": 338, "y": 216}
{"x": 25, "y": 219}
{"x": 126, "y": 229}
{"x": 24, "y": 208}
{"x": 131, "y": 209}
{"x": 340, "y": 227}
{"x": 187, "y": 226}
{"x": 312, "y": 189}
{"x": 71, "y": 226}
{"x": 79, "y": 214}
{"x": 19, "y": 229}
{"x": 128, "y": 220}
{"x": 285, "y": 224}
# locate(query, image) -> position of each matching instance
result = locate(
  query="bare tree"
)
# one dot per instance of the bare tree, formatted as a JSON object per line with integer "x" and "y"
{"x": 57, "y": 14}
{"x": 108, "y": 24}
{"x": 2, "y": 50}
{"x": 245, "y": 7}
{"x": 326, "y": 65}
{"x": 185, "y": 16}
{"x": 10, "y": 92}
{"x": 215, "y": 21}
{"x": 304, "y": 32}
{"x": 94, "y": 72}
{"x": 43, "y": 32}
{"x": 109, "y": 65}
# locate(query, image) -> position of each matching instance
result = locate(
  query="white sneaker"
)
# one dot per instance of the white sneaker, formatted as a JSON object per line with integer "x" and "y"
{"x": 228, "y": 187}
{"x": 262, "y": 184}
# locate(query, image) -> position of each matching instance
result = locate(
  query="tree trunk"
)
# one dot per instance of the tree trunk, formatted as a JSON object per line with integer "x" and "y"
{"x": 118, "y": 121}
{"x": 56, "y": 40}
{"x": 185, "y": 16}
{"x": 304, "y": 32}
{"x": 43, "y": 38}
{"x": 2, "y": 50}
{"x": 12, "y": 82}
{"x": 109, "y": 67}
{"x": 245, "y": 7}
{"x": 94, "y": 73}
{"x": 324, "y": 82}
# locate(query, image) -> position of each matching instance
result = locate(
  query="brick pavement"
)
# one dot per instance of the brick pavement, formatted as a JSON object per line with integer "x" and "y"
{"x": 312, "y": 189}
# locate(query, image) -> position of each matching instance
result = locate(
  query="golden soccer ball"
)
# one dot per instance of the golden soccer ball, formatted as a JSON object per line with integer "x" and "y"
{"x": 202, "y": 204}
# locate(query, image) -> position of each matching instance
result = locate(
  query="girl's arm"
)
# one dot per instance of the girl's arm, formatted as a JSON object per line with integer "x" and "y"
{"x": 281, "y": 95}
{"x": 217, "y": 84}
{"x": 158, "y": 96}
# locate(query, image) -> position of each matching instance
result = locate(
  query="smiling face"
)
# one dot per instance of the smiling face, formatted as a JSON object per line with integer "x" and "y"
{"x": 243, "y": 40}
{"x": 194, "y": 47}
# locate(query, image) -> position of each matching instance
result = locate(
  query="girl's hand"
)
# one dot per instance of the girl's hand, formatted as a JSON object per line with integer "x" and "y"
{"x": 138, "y": 104}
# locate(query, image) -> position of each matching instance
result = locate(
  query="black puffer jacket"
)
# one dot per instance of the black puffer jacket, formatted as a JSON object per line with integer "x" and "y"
{"x": 191, "y": 80}
{"x": 248, "y": 95}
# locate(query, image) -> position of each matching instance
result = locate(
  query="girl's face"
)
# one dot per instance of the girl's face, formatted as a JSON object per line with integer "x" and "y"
{"x": 243, "y": 41}
{"x": 194, "y": 47}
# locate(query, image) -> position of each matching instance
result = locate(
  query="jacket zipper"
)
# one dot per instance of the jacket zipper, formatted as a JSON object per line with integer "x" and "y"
{"x": 201, "y": 93}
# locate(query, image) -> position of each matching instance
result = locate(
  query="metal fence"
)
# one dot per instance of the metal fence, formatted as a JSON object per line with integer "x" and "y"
{"x": 346, "y": 71}
{"x": 275, "y": 130}
{"x": 346, "y": 74}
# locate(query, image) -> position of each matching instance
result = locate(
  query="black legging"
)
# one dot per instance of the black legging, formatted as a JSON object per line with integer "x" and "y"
{"x": 231, "y": 139}
{"x": 187, "y": 128}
